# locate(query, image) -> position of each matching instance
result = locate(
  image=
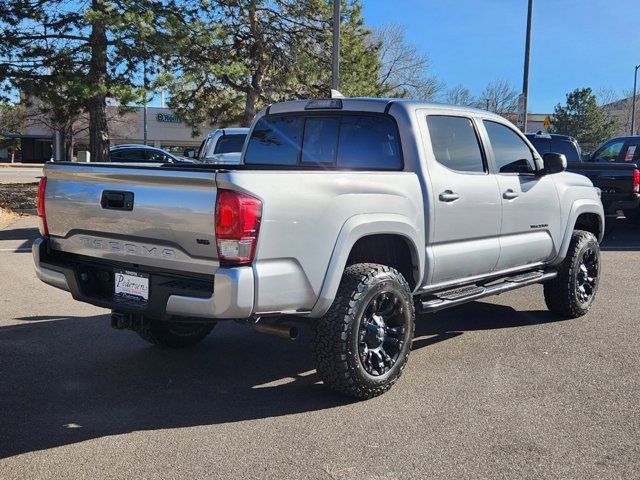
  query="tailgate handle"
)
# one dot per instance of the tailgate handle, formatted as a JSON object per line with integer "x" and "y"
{"x": 115, "y": 200}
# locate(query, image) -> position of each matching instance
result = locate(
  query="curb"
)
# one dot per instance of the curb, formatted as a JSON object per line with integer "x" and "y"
{"x": 22, "y": 165}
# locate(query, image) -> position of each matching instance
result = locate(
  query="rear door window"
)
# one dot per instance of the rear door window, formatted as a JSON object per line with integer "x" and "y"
{"x": 455, "y": 143}
{"x": 631, "y": 152}
{"x": 349, "y": 141}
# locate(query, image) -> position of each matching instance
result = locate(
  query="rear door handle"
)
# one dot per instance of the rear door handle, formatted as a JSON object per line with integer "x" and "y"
{"x": 510, "y": 195}
{"x": 448, "y": 196}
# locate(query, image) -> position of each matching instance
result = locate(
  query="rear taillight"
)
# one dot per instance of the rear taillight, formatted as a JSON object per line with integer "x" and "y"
{"x": 636, "y": 180}
{"x": 42, "y": 215}
{"x": 237, "y": 225}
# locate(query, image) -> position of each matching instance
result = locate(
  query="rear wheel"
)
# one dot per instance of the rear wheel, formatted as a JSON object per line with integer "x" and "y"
{"x": 363, "y": 342}
{"x": 174, "y": 334}
{"x": 572, "y": 292}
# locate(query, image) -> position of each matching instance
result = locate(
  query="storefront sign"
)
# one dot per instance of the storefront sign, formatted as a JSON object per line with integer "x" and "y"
{"x": 168, "y": 118}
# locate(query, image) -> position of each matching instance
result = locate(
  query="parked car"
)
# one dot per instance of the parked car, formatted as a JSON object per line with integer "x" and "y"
{"x": 222, "y": 146}
{"x": 613, "y": 167}
{"x": 143, "y": 154}
{"x": 349, "y": 214}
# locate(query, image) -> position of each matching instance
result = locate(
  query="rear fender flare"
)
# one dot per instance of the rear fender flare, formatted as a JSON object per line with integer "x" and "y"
{"x": 355, "y": 228}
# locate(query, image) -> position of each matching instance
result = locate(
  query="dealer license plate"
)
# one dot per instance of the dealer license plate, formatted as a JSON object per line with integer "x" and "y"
{"x": 131, "y": 285}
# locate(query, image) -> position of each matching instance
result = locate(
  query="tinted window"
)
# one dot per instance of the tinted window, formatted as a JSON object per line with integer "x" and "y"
{"x": 368, "y": 142}
{"x": 320, "y": 140}
{"x": 344, "y": 141}
{"x": 631, "y": 152}
{"x": 158, "y": 157}
{"x": 568, "y": 149}
{"x": 275, "y": 141}
{"x": 610, "y": 152}
{"x": 511, "y": 154}
{"x": 130, "y": 155}
{"x": 230, "y": 143}
{"x": 455, "y": 144}
{"x": 541, "y": 145}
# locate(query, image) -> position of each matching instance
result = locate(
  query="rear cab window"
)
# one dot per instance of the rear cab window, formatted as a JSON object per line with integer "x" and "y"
{"x": 327, "y": 140}
{"x": 567, "y": 149}
{"x": 230, "y": 143}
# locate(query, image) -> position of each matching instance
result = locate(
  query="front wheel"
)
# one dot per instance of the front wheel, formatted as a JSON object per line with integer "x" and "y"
{"x": 174, "y": 334}
{"x": 572, "y": 292}
{"x": 363, "y": 342}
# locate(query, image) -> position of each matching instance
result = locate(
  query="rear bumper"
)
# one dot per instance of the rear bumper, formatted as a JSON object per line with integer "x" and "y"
{"x": 631, "y": 203}
{"x": 227, "y": 294}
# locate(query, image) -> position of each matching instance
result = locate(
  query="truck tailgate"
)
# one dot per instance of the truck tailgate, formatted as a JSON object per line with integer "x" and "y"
{"x": 169, "y": 224}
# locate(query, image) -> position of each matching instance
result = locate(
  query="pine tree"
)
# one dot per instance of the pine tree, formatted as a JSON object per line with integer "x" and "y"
{"x": 240, "y": 55}
{"x": 581, "y": 118}
{"x": 69, "y": 57}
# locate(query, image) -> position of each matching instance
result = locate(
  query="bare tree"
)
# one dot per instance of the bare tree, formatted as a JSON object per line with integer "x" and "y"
{"x": 459, "y": 95}
{"x": 404, "y": 70}
{"x": 606, "y": 96}
{"x": 500, "y": 97}
{"x": 614, "y": 107}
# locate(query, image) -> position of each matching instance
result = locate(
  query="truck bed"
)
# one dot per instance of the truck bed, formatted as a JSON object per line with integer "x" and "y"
{"x": 616, "y": 180}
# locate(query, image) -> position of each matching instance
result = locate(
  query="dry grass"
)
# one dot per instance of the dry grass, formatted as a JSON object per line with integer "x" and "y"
{"x": 18, "y": 196}
{"x": 16, "y": 199}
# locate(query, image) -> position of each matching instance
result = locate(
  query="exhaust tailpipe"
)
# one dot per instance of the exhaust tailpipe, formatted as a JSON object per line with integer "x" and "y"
{"x": 283, "y": 331}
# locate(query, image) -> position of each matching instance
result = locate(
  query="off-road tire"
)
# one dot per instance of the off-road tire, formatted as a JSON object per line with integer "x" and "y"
{"x": 560, "y": 294}
{"x": 174, "y": 334}
{"x": 336, "y": 335}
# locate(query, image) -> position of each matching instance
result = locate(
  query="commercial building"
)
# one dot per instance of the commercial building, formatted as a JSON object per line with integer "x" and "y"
{"x": 164, "y": 129}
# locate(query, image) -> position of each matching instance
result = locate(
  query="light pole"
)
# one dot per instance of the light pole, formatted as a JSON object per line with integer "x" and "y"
{"x": 336, "y": 44}
{"x": 144, "y": 83}
{"x": 633, "y": 108}
{"x": 525, "y": 81}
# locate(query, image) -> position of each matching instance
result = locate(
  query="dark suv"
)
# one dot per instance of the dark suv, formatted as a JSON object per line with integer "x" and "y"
{"x": 551, "y": 142}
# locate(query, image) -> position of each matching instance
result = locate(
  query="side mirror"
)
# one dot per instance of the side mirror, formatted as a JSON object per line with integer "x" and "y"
{"x": 554, "y": 163}
{"x": 189, "y": 153}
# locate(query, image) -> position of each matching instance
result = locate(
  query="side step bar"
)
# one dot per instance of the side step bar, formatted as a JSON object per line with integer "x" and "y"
{"x": 452, "y": 298}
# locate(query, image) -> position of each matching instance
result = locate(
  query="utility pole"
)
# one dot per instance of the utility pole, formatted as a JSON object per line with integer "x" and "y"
{"x": 336, "y": 44}
{"x": 525, "y": 81}
{"x": 144, "y": 83}
{"x": 633, "y": 108}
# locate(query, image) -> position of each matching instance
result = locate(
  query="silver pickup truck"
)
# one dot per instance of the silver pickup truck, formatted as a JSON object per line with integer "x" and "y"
{"x": 350, "y": 214}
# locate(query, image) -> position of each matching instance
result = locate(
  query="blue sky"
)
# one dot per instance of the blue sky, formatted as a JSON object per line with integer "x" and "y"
{"x": 575, "y": 43}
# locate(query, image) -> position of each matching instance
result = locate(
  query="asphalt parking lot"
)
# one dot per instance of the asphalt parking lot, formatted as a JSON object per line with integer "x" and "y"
{"x": 493, "y": 389}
